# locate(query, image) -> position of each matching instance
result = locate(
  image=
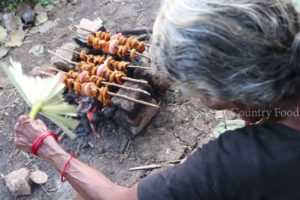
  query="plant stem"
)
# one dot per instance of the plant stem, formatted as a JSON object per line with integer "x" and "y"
{"x": 35, "y": 110}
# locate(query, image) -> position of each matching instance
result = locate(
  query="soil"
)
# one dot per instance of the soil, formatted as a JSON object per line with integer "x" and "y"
{"x": 181, "y": 125}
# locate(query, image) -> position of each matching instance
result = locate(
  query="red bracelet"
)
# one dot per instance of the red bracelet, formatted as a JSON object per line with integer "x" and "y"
{"x": 37, "y": 143}
{"x": 63, "y": 179}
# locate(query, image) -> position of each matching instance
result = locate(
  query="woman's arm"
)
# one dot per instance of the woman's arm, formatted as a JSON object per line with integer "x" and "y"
{"x": 88, "y": 182}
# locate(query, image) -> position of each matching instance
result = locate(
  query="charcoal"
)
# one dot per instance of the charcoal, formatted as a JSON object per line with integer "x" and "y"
{"x": 109, "y": 112}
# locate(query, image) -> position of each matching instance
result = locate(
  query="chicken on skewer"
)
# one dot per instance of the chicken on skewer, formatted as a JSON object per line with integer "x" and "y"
{"x": 99, "y": 81}
{"x": 102, "y": 94}
{"x": 95, "y": 70}
{"x": 132, "y": 41}
{"x": 114, "y": 47}
{"x": 109, "y": 61}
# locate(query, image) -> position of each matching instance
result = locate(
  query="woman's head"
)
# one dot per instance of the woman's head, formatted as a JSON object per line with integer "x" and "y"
{"x": 245, "y": 52}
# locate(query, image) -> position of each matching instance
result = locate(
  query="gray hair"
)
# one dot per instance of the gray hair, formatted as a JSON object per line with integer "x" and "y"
{"x": 242, "y": 51}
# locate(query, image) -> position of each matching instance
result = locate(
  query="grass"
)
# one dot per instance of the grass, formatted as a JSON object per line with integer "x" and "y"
{"x": 11, "y": 5}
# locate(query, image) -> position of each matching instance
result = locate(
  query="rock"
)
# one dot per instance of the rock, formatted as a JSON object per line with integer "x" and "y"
{"x": 36, "y": 50}
{"x": 39, "y": 177}
{"x": 91, "y": 25}
{"x": 66, "y": 54}
{"x": 28, "y": 17}
{"x": 18, "y": 182}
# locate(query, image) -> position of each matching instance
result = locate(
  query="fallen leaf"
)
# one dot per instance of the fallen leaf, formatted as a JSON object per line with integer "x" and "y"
{"x": 228, "y": 125}
{"x": 38, "y": 8}
{"x": 3, "y": 34}
{"x": 3, "y": 52}
{"x": 15, "y": 39}
{"x": 41, "y": 18}
{"x": 12, "y": 22}
{"x": 47, "y": 26}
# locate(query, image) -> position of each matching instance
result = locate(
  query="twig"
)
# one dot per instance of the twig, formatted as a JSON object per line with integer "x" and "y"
{"x": 59, "y": 56}
{"x": 133, "y": 100}
{"x": 146, "y": 167}
{"x": 45, "y": 190}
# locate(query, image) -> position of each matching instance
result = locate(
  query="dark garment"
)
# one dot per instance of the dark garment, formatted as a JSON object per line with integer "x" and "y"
{"x": 259, "y": 162}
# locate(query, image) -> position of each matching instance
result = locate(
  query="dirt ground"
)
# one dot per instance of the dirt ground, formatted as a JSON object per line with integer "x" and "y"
{"x": 182, "y": 124}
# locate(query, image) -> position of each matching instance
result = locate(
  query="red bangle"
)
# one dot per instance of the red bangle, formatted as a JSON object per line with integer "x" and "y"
{"x": 63, "y": 179}
{"x": 37, "y": 143}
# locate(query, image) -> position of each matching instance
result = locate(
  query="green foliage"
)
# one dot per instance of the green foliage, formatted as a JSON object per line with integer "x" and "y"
{"x": 12, "y": 5}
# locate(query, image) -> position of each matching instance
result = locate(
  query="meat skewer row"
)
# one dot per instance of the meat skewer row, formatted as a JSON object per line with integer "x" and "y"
{"x": 109, "y": 61}
{"x": 116, "y": 75}
{"x": 133, "y": 41}
{"x": 84, "y": 77}
{"x": 102, "y": 94}
{"x": 113, "y": 47}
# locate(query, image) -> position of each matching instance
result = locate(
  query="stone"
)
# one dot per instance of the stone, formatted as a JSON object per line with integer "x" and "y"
{"x": 18, "y": 182}
{"x": 37, "y": 50}
{"x": 28, "y": 17}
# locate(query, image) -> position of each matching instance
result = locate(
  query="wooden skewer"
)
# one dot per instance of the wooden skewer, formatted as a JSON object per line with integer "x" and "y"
{"x": 111, "y": 84}
{"x": 59, "y": 56}
{"x": 85, "y": 29}
{"x": 132, "y": 99}
{"x": 130, "y": 66}
{"x": 127, "y": 88}
{"x": 88, "y": 30}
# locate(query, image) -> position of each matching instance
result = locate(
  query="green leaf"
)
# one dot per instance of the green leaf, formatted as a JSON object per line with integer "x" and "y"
{"x": 228, "y": 125}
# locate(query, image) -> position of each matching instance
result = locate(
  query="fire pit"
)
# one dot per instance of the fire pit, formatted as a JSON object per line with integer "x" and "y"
{"x": 111, "y": 80}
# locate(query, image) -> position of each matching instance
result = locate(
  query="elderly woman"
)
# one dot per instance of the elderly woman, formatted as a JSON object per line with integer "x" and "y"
{"x": 242, "y": 55}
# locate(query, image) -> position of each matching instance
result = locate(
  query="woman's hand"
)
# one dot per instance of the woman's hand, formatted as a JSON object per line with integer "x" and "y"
{"x": 27, "y": 131}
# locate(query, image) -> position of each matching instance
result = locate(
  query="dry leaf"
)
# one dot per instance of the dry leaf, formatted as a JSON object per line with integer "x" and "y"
{"x": 228, "y": 125}
{"x": 16, "y": 39}
{"x": 3, "y": 34}
{"x": 41, "y": 18}
{"x": 47, "y": 26}
{"x": 12, "y": 22}
{"x": 3, "y": 52}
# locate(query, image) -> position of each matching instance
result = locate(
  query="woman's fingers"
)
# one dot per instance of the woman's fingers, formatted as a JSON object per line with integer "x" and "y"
{"x": 23, "y": 118}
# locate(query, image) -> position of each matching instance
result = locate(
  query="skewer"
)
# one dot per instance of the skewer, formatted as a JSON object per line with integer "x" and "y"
{"x": 133, "y": 100}
{"x": 75, "y": 63}
{"x": 111, "y": 84}
{"x": 130, "y": 66}
{"x": 93, "y": 32}
{"x": 59, "y": 56}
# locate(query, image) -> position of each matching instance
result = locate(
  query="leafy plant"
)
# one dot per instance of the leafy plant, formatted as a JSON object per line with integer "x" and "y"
{"x": 12, "y": 5}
